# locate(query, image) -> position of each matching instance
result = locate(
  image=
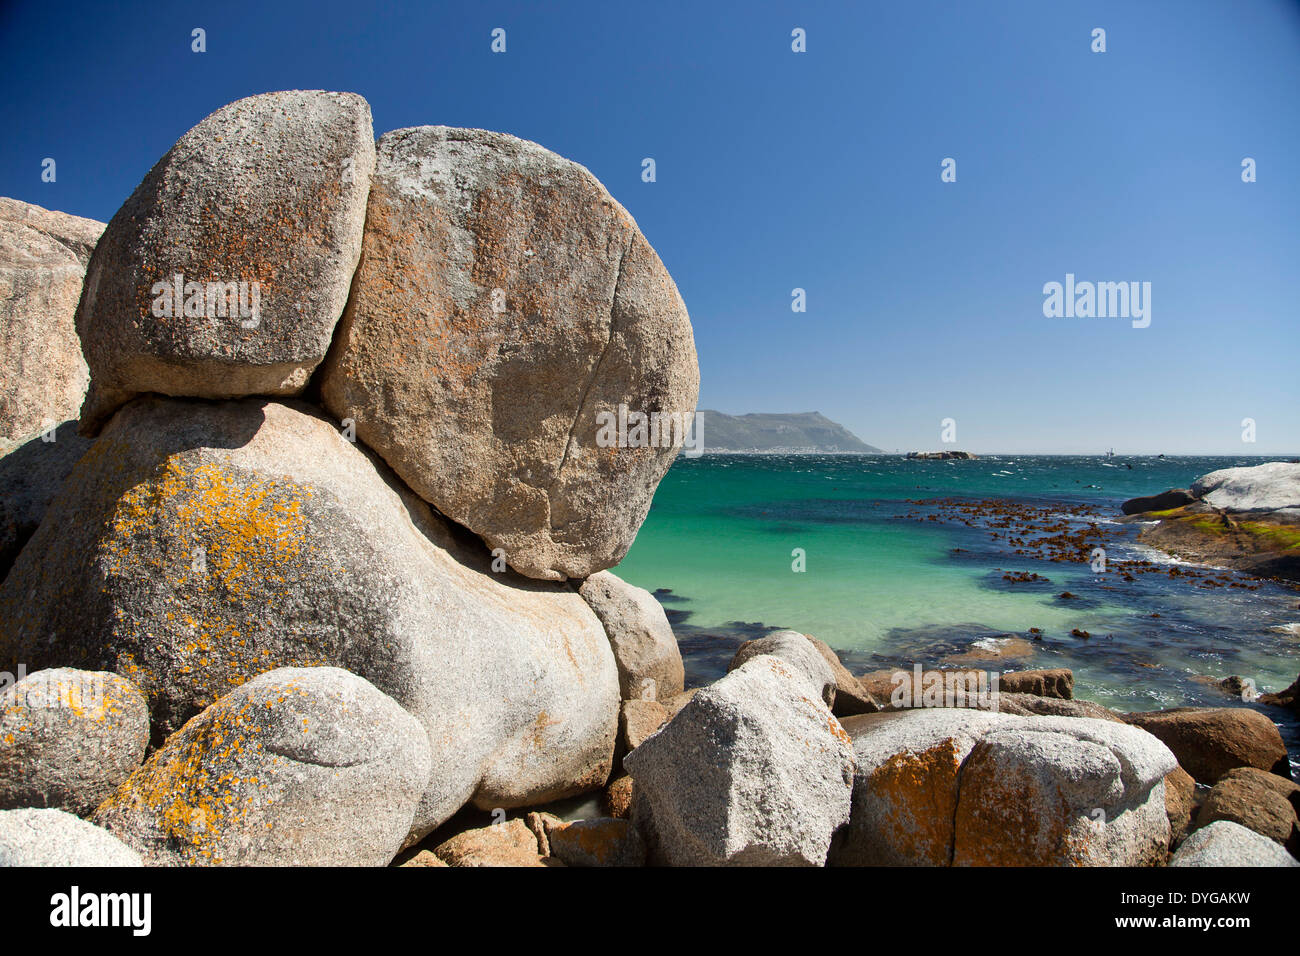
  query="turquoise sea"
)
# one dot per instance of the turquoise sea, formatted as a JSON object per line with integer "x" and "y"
{"x": 916, "y": 561}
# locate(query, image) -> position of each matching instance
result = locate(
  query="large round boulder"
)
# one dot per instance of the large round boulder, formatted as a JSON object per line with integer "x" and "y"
{"x": 298, "y": 767}
{"x": 753, "y": 771}
{"x": 508, "y": 324}
{"x": 68, "y": 738}
{"x": 44, "y": 838}
{"x": 227, "y": 269}
{"x": 1210, "y": 741}
{"x": 200, "y": 544}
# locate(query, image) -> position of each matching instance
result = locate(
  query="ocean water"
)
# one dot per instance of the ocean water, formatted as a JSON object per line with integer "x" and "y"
{"x": 916, "y": 561}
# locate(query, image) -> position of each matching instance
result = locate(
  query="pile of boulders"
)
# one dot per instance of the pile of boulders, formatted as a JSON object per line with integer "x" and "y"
{"x": 324, "y": 576}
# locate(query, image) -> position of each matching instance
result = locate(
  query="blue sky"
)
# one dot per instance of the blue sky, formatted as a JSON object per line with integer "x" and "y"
{"x": 816, "y": 170}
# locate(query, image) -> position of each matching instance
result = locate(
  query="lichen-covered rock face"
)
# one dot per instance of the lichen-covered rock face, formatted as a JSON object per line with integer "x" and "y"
{"x": 199, "y": 544}
{"x": 510, "y": 843}
{"x": 905, "y": 788}
{"x": 649, "y": 661}
{"x": 504, "y": 301}
{"x": 256, "y": 211}
{"x": 57, "y": 838}
{"x": 753, "y": 771}
{"x": 1224, "y": 843}
{"x": 41, "y": 364}
{"x": 298, "y": 767}
{"x": 68, "y": 738}
{"x": 1063, "y": 791}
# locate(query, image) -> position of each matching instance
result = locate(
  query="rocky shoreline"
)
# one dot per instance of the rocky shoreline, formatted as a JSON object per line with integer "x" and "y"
{"x": 323, "y": 578}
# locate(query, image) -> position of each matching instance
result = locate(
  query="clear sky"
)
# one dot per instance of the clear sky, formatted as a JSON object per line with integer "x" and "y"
{"x": 819, "y": 170}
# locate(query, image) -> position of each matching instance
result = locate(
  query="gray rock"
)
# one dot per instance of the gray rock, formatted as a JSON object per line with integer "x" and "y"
{"x": 649, "y": 660}
{"x": 754, "y": 770}
{"x": 76, "y": 232}
{"x": 68, "y": 738}
{"x": 529, "y": 305}
{"x": 851, "y": 695}
{"x": 41, "y": 365}
{"x": 1271, "y": 487}
{"x": 1225, "y": 843}
{"x": 796, "y": 650}
{"x": 269, "y": 191}
{"x": 55, "y": 838}
{"x": 306, "y": 766}
{"x": 199, "y": 544}
{"x": 1063, "y": 791}
{"x": 31, "y": 472}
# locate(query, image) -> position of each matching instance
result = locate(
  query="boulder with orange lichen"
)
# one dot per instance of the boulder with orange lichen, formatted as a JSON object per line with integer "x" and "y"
{"x": 753, "y": 771}
{"x": 1063, "y": 791}
{"x": 504, "y": 303}
{"x": 199, "y": 544}
{"x": 68, "y": 738}
{"x": 298, "y": 767}
{"x": 599, "y": 841}
{"x": 226, "y": 270}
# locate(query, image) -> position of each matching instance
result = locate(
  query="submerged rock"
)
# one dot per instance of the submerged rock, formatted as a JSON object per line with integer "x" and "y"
{"x": 298, "y": 767}
{"x": 226, "y": 270}
{"x": 753, "y": 771}
{"x": 68, "y": 738}
{"x": 503, "y": 302}
{"x": 200, "y": 544}
{"x": 56, "y": 838}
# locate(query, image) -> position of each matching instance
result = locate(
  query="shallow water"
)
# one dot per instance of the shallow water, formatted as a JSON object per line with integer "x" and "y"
{"x": 890, "y": 581}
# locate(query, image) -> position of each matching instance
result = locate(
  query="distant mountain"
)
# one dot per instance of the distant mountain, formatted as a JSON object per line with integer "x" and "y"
{"x": 794, "y": 433}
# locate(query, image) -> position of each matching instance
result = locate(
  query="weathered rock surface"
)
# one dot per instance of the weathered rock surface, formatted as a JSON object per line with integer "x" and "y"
{"x": 1057, "y": 683}
{"x": 851, "y": 697}
{"x": 77, "y": 233}
{"x": 31, "y": 472}
{"x": 616, "y": 801}
{"x": 307, "y": 766}
{"x": 905, "y": 788}
{"x": 68, "y": 738}
{"x": 1225, "y": 843}
{"x": 269, "y": 191}
{"x": 754, "y": 770}
{"x": 1173, "y": 498}
{"x": 1180, "y": 803}
{"x": 41, "y": 364}
{"x": 503, "y": 300}
{"x": 1063, "y": 791}
{"x": 1032, "y": 704}
{"x": 199, "y": 544}
{"x": 57, "y": 838}
{"x": 1262, "y": 801}
{"x": 649, "y": 660}
{"x": 601, "y": 841}
{"x": 1210, "y": 741}
{"x": 797, "y": 651}
{"x": 510, "y": 843}
{"x": 638, "y": 719}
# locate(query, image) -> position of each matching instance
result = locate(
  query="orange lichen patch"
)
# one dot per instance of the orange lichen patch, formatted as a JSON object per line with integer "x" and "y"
{"x": 219, "y": 544}
{"x": 204, "y": 781}
{"x": 920, "y": 791}
{"x": 1005, "y": 818}
{"x": 599, "y": 841}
